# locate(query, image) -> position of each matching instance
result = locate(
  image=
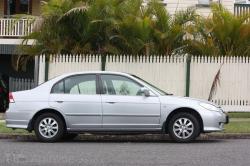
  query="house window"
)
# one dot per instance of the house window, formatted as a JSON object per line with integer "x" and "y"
{"x": 18, "y": 7}
{"x": 242, "y": 1}
{"x": 204, "y": 3}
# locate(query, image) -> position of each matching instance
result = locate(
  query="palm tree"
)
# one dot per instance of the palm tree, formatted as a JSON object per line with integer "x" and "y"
{"x": 220, "y": 34}
{"x": 49, "y": 34}
{"x": 170, "y": 31}
{"x": 134, "y": 32}
{"x": 108, "y": 27}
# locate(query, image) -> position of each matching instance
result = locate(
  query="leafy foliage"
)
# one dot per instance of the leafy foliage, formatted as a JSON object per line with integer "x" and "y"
{"x": 221, "y": 34}
{"x": 130, "y": 27}
{"x": 108, "y": 27}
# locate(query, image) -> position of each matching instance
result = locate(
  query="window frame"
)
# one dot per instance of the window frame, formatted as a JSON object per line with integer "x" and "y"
{"x": 102, "y": 86}
{"x": 7, "y": 11}
{"x": 63, "y": 79}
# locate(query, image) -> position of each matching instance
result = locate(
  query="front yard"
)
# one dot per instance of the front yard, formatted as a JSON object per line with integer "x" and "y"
{"x": 238, "y": 126}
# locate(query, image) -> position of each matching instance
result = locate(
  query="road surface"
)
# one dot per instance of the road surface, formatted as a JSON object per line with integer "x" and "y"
{"x": 199, "y": 153}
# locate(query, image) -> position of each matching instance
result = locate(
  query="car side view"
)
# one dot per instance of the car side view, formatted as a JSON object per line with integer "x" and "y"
{"x": 109, "y": 102}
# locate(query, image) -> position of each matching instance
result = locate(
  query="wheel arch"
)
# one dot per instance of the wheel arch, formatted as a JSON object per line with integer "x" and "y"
{"x": 47, "y": 110}
{"x": 186, "y": 110}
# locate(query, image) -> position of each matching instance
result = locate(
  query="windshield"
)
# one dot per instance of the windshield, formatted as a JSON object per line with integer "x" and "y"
{"x": 161, "y": 92}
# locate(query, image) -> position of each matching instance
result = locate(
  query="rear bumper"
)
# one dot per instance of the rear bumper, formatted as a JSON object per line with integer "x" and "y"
{"x": 16, "y": 124}
{"x": 16, "y": 119}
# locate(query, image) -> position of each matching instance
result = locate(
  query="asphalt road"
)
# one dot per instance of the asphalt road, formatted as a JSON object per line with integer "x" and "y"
{"x": 199, "y": 153}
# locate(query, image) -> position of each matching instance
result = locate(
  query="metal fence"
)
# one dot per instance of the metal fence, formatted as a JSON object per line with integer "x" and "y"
{"x": 18, "y": 84}
{"x": 241, "y": 9}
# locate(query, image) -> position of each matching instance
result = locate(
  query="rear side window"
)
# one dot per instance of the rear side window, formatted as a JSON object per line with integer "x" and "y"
{"x": 82, "y": 84}
{"x": 58, "y": 87}
{"x": 79, "y": 84}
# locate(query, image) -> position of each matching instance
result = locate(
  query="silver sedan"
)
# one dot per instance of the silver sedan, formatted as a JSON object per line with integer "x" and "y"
{"x": 110, "y": 102}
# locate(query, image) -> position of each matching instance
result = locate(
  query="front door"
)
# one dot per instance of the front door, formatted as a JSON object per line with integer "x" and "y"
{"x": 77, "y": 97}
{"x": 125, "y": 108}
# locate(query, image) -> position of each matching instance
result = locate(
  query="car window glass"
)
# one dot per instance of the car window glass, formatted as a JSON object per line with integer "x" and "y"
{"x": 105, "y": 87}
{"x": 58, "y": 87}
{"x": 81, "y": 84}
{"x": 87, "y": 87}
{"x": 120, "y": 85}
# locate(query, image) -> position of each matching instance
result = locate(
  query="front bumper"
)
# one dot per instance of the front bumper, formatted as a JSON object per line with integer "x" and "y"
{"x": 227, "y": 119}
{"x": 214, "y": 121}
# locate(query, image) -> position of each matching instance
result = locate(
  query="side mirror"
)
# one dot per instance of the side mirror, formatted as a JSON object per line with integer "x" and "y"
{"x": 145, "y": 91}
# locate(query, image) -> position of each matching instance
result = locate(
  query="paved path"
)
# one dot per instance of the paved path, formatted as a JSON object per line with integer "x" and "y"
{"x": 199, "y": 153}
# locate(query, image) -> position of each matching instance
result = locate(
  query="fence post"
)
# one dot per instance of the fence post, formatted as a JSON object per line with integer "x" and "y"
{"x": 46, "y": 68}
{"x": 36, "y": 70}
{"x": 188, "y": 75}
{"x": 103, "y": 62}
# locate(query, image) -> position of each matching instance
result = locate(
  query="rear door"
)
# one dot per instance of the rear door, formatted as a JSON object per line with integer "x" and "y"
{"x": 79, "y": 100}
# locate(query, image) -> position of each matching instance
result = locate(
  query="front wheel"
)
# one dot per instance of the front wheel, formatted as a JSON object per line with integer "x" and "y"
{"x": 49, "y": 127}
{"x": 183, "y": 127}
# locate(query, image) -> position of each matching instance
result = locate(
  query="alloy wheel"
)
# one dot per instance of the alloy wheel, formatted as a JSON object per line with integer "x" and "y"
{"x": 48, "y": 127}
{"x": 183, "y": 128}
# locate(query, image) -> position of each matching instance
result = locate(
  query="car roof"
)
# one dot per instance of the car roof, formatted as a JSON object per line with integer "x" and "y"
{"x": 96, "y": 72}
{"x": 62, "y": 76}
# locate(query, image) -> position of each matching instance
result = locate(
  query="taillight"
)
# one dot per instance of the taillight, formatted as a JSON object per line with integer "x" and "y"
{"x": 11, "y": 98}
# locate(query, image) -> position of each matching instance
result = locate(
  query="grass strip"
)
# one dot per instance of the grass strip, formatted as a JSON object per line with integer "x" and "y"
{"x": 237, "y": 127}
{"x": 239, "y": 114}
{"x": 4, "y": 129}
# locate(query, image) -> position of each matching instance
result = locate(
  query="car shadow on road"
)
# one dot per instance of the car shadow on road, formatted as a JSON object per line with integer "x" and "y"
{"x": 140, "y": 141}
{"x": 80, "y": 140}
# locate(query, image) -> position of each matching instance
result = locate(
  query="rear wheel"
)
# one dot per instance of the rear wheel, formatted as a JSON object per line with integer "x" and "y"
{"x": 49, "y": 127}
{"x": 184, "y": 127}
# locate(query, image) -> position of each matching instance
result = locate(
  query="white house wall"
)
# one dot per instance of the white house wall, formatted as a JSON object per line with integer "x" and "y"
{"x": 177, "y": 5}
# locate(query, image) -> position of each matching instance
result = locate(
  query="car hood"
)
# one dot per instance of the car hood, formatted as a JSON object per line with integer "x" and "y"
{"x": 184, "y": 101}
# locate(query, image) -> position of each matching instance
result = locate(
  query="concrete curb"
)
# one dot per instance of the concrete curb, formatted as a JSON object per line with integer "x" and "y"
{"x": 129, "y": 138}
{"x": 1, "y": 116}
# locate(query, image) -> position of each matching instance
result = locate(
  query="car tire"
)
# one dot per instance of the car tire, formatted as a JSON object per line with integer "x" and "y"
{"x": 69, "y": 136}
{"x": 183, "y": 127}
{"x": 49, "y": 127}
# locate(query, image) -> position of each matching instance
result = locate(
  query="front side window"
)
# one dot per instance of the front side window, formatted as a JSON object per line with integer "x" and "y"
{"x": 161, "y": 92}
{"x": 80, "y": 84}
{"x": 120, "y": 85}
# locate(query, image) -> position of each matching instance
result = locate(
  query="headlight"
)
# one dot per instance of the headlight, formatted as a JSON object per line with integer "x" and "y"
{"x": 209, "y": 107}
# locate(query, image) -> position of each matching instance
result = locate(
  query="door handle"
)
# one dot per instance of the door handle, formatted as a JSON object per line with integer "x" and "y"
{"x": 59, "y": 101}
{"x": 110, "y": 102}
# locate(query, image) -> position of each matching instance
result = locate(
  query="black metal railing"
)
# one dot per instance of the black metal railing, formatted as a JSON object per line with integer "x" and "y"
{"x": 241, "y": 9}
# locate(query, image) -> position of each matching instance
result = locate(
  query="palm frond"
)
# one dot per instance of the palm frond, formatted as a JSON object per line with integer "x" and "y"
{"x": 215, "y": 84}
{"x": 75, "y": 10}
